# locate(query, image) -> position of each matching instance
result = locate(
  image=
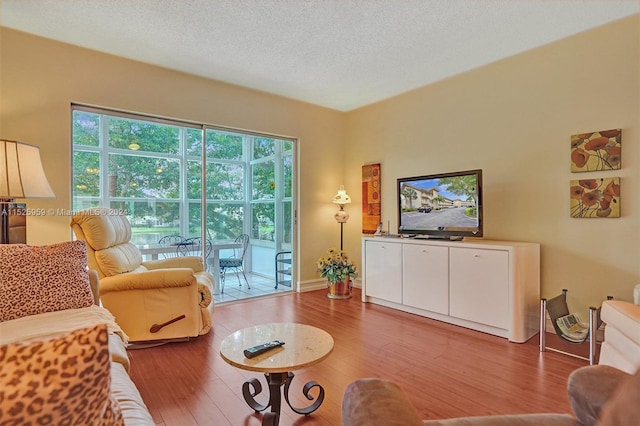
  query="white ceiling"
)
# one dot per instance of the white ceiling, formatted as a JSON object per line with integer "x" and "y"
{"x": 342, "y": 54}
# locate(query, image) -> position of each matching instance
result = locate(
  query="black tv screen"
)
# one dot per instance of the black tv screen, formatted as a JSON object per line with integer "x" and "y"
{"x": 444, "y": 205}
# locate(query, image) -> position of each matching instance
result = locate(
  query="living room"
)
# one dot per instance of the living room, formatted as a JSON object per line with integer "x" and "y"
{"x": 537, "y": 100}
{"x": 513, "y": 118}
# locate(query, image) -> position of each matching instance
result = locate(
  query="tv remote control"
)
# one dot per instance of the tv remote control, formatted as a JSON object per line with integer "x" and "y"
{"x": 260, "y": 349}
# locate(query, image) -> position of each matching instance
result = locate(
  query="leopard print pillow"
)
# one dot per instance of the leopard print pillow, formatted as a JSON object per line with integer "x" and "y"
{"x": 65, "y": 380}
{"x": 38, "y": 279}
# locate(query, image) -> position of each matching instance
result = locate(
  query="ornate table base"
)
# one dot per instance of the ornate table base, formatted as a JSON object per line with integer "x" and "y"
{"x": 275, "y": 381}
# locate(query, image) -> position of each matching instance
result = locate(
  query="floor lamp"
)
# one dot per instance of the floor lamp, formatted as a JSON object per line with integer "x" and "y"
{"x": 21, "y": 176}
{"x": 341, "y": 198}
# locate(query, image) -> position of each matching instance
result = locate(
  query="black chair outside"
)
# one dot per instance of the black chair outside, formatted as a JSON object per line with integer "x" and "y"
{"x": 194, "y": 247}
{"x": 235, "y": 262}
{"x": 171, "y": 241}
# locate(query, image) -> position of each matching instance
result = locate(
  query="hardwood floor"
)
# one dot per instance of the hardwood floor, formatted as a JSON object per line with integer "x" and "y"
{"x": 447, "y": 371}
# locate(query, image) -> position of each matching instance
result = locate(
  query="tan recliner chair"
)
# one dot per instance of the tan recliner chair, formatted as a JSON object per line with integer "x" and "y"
{"x": 156, "y": 300}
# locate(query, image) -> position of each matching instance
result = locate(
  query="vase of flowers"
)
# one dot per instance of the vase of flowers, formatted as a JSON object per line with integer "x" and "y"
{"x": 338, "y": 269}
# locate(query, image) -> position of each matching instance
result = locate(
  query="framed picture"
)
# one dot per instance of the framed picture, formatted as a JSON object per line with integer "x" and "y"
{"x": 371, "y": 200}
{"x": 596, "y": 151}
{"x": 593, "y": 198}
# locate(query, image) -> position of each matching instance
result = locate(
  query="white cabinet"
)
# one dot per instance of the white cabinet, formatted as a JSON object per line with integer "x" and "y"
{"x": 385, "y": 266}
{"x": 479, "y": 286}
{"x": 425, "y": 277}
{"x": 490, "y": 286}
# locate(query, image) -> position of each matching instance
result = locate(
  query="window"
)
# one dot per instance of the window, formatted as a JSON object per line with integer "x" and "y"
{"x": 153, "y": 169}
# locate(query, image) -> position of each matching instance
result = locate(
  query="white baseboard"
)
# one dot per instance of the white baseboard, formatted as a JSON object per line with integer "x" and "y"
{"x": 319, "y": 284}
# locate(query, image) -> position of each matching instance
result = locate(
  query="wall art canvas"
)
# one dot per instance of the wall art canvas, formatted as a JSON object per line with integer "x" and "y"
{"x": 596, "y": 151}
{"x": 371, "y": 207}
{"x": 593, "y": 198}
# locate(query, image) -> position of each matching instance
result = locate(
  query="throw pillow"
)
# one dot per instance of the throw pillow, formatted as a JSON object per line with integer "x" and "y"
{"x": 65, "y": 380}
{"x": 38, "y": 279}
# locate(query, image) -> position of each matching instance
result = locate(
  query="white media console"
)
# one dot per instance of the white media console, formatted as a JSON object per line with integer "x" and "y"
{"x": 489, "y": 286}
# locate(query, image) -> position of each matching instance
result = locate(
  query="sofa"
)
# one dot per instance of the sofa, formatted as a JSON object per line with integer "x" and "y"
{"x": 600, "y": 395}
{"x": 63, "y": 358}
{"x": 159, "y": 300}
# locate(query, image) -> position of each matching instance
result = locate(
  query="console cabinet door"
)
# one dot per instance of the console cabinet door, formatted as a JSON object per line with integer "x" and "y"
{"x": 479, "y": 286}
{"x": 425, "y": 277}
{"x": 383, "y": 272}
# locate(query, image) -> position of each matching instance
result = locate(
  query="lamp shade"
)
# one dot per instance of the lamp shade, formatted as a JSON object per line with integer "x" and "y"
{"x": 21, "y": 172}
{"x": 341, "y": 197}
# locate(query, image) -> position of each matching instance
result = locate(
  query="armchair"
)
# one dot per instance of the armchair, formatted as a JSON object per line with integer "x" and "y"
{"x": 621, "y": 346}
{"x": 157, "y": 300}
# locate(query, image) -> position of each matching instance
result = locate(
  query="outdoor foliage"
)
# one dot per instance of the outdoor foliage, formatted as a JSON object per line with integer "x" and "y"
{"x": 462, "y": 185}
{"x": 153, "y": 168}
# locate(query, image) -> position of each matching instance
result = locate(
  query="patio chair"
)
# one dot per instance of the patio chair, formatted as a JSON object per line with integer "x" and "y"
{"x": 171, "y": 241}
{"x": 194, "y": 247}
{"x": 235, "y": 262}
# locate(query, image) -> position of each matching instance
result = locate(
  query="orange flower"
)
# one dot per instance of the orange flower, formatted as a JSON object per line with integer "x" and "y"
{"x": 579, "y": 157}
{"x": 605, "y": 202}
{"x": 612, "y": 150}
{"x": 596, "y": 144}
{"x": 613, "y": 155}
{"x": 590, "y": 198}
{"x": 576, "y": 192}
{"x": 588, "y": 183}
{"x": 610, "y": 133}
{"x": 612, "y": 189}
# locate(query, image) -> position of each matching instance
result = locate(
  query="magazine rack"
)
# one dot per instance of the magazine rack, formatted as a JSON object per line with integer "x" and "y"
{"x": 557, "y": 308}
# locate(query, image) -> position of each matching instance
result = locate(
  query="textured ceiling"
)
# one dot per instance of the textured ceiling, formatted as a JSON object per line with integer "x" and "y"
{"x": 342, "y": 54}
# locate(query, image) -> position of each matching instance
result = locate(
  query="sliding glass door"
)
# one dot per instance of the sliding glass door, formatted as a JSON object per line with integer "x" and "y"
{"x": 152, "y": 169}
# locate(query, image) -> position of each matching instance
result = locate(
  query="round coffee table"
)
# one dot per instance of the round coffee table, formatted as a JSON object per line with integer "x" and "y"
{"x": 304, "y": 345}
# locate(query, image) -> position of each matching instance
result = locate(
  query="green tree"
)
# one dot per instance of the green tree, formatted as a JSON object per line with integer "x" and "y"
{"x": 437, "y": 200}
{"x": 146, "y": 176}
{"x": 409, "y": 194}
{"x": 465, "y": 186}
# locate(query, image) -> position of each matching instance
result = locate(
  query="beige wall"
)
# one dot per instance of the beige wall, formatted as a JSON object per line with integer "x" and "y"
{"x": 41, "y": 78}
{"x": 514, "y": 119}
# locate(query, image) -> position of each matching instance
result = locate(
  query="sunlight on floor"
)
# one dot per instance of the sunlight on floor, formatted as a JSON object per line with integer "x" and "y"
{"x": 260, "y": 286}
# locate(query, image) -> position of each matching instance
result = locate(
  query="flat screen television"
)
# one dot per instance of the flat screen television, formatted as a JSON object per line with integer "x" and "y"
{"x": 444, "y": 205}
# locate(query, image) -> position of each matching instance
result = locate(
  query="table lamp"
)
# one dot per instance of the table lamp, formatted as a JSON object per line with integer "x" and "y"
{"x": 341, "y": 198}
{"x": 21, "y": 176}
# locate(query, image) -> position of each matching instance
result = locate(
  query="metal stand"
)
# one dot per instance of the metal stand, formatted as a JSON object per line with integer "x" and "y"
{"x": 594, "y": 323}
{"x": 253, "y": 387}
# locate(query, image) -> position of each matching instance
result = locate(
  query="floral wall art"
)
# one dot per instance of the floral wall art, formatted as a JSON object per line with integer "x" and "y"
{"x": 596, "y": 151}
{"x": 593, "y": 198}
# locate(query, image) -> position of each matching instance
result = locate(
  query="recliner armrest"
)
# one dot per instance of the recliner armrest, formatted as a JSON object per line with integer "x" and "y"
{"x": 94, "y": 282}
{"x": 158, "y": 278}
{"x": 193, "y": 262}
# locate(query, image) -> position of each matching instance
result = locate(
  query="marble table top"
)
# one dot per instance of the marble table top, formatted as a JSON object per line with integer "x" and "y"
{"x": 304, "y": 345}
